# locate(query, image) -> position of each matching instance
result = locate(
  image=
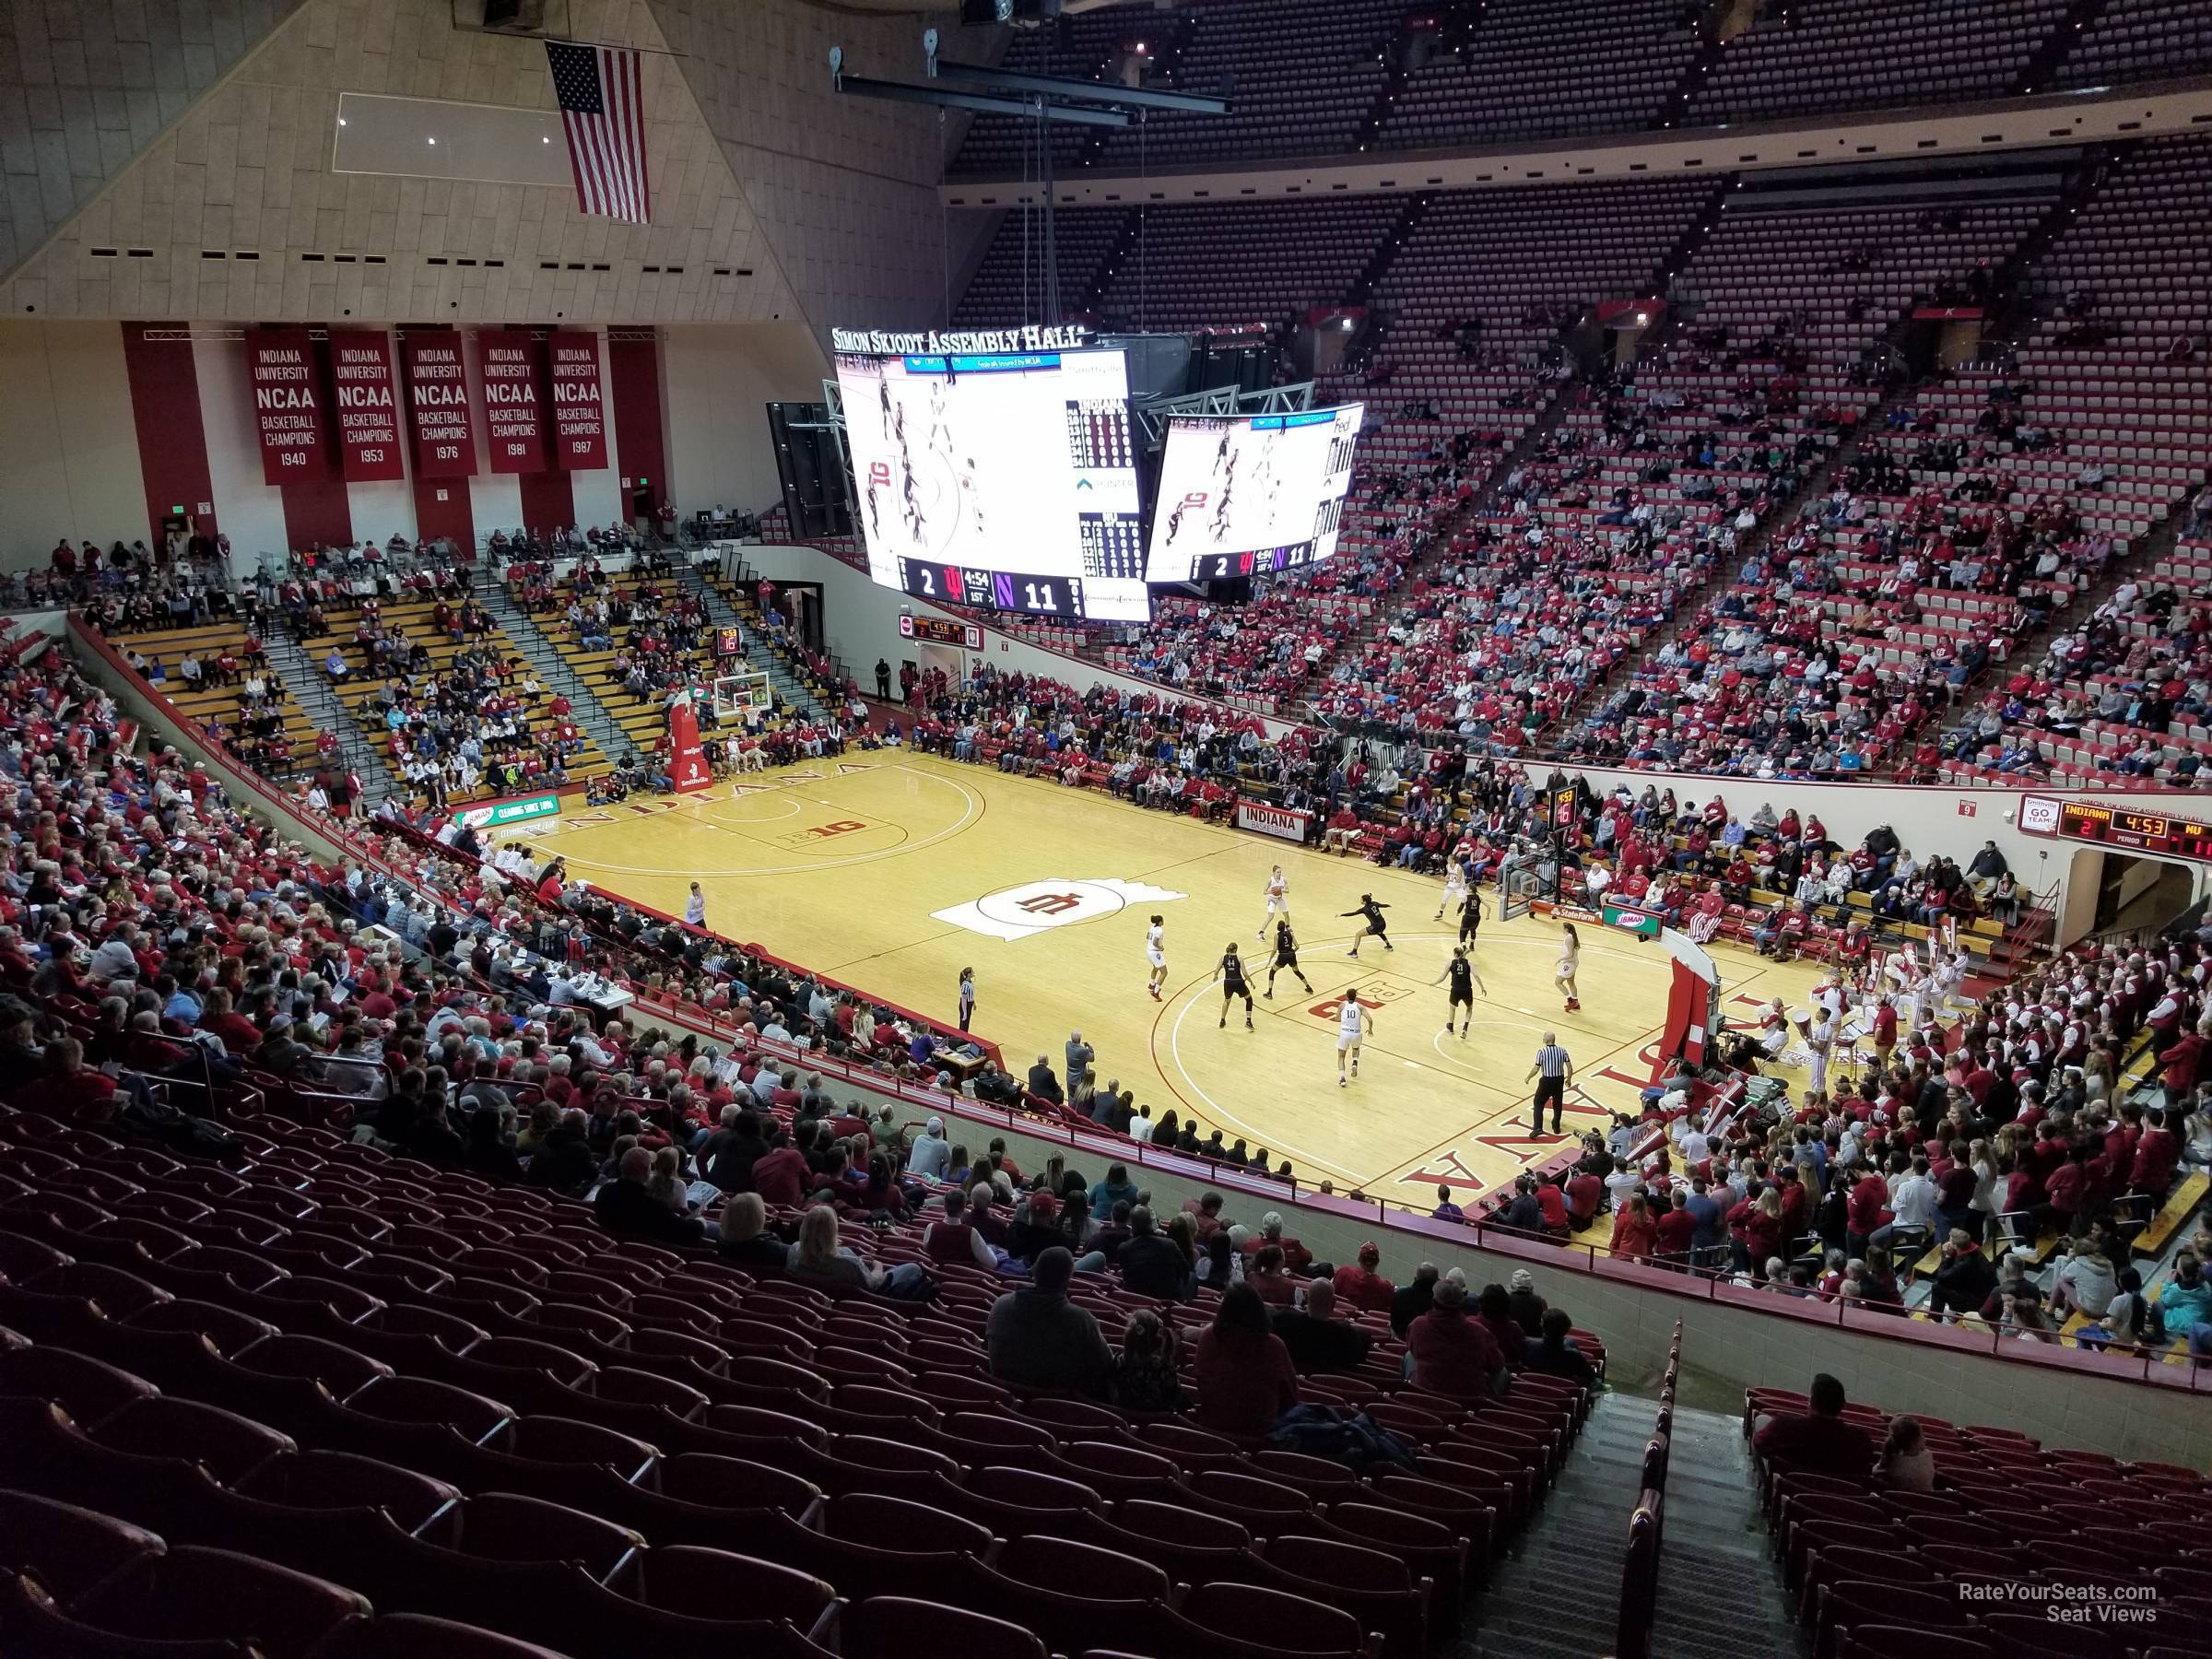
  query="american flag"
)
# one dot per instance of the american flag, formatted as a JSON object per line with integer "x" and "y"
{"x": 598, "y": 87}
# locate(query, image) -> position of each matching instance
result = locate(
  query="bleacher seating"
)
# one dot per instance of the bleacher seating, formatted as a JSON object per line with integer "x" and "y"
{"x": 1877, "y": 1569}
{"x": 1815, "y": 55}
{"x": 464, "y": 1401}
{"x": 2141, "y": 40}
{"x": 1547, "y": 69}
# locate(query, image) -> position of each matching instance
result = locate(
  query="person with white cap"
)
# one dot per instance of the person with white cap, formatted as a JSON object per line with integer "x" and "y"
{"x": 931, "y": 1154}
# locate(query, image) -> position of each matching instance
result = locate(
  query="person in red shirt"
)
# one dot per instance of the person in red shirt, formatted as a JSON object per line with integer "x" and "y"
{"x": 240, "y": 1036}
{"x": 2157, "y": 1153}
{"x": 1675, "y": 1228}
{"x": 1585, "y": 1188}
{"x": 1819, "y": 1440}
{"x": 1361, "y": 1286}
{"x": 1245, "y": 1378}
{"x": 1553, "y": 1203}
{"x": 1453, "y": 1355}
{"x": 779, "y": 1177}
{"x": 1866, "y": 1209}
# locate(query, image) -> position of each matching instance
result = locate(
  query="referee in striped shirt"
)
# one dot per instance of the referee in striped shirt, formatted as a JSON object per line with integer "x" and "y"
{"x": 1553, "y": 1071}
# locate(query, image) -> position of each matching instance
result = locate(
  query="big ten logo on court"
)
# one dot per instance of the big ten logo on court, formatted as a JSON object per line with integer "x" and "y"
{"x": 821, "y": 832}
{"x": 1373, "y": 996}
{"x": 1035, "y": 907}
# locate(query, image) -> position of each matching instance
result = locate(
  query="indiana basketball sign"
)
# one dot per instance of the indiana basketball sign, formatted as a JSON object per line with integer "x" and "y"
{"x": 1035, "y": 907}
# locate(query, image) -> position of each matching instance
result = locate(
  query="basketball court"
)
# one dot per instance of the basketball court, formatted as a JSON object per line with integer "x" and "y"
{"x": 893, "y": 871}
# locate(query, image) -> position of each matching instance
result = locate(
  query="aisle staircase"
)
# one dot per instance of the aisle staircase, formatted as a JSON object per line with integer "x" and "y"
{"x": 1554, "y": 1597}
{"x": 555, "y": 674}
{"x": 1721, "y": 1593}
{"x": 310, "y": 691}
{"x": 730, "y": 605}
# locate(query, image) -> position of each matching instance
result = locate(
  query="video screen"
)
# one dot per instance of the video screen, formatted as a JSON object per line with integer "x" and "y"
{"x": 1245, "y": 495}
{"x": 1006, "y": 481}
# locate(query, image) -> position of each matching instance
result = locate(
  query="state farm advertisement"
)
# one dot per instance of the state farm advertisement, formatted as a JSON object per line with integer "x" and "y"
{"x": 368, "y": 404}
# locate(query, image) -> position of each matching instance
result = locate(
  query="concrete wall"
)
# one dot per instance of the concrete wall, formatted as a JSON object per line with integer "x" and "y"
{"x": 718, "y": 379}
{"x": 69, "y": 446}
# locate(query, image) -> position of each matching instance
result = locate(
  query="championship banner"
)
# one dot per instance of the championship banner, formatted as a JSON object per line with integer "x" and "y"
{"x": 1279, "y": 821}
{"x": 513, "y": 421}
{"x": 687, "y": 766}
{"x": 368, "y": 404}
{"x": 579, "y": 414}
{"x": 445, "y": 446}
{"x": 287, "y": 404}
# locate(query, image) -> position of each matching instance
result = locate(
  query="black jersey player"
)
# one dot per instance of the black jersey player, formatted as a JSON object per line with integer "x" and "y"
{"x": 1372, "y": 909}
{"x": 1470, "y": 915}
{"x": 1286, "y": 957}
{"x": 1233, "y": 985}
{"x": 1460, "y": 969}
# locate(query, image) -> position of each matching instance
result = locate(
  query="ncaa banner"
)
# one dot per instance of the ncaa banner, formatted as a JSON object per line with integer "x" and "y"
{"x": 445, "y": 444}
{"x": 1278, "y": 821}
{"x": 579, "y": 414}
{"x": 368, "y": 404}
{"x": 287, "y": 404}
{"x": 513, "y": 418}
{"x": 687, "y": 767}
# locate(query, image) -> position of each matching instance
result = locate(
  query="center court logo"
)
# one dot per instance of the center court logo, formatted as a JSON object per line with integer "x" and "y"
{"x": 1035, "y": 907}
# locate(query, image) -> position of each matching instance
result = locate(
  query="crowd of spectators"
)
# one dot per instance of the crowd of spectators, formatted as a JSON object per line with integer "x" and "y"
{"x": 1982, "y": 1163}
{"x": 2119, "y": 695}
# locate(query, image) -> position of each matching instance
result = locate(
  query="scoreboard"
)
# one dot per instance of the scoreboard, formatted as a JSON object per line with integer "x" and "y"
{"x": 2141, "y": 831}
{"x": 937, "y": 630}
{"x": 2120, "y": 827}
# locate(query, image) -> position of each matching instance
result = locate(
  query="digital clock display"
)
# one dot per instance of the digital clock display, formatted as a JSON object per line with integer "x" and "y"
{"x": 993, "y": 590}
{"x": 937, "y": 630}
{"x": 2143, "y": 831}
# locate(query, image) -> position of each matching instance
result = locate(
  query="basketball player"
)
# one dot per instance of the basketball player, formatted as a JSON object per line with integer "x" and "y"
{"x": 1156, "y": 953}
{"x": 1233, "y": 985}
{"x": 1570, "y": 958}
{"x": 1285, "y": 956}
{"x": 1278, "y": 898}
{"x": 1372, "y": 911}
{"x": 1470, "y": 916}
{"x": 973, "y": 496}
{"x": 1455, "y": 887}
{"x": 1353, "y": 1023}
{"x": 1464, "y": 982}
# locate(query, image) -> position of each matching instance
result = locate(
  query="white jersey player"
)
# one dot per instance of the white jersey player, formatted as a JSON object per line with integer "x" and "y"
{"x": 1353, "y": 1023}
{"x": 1456, "y": 887}
{"x": 1278, "y": 901}
{"x": 1156, "y": 953}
